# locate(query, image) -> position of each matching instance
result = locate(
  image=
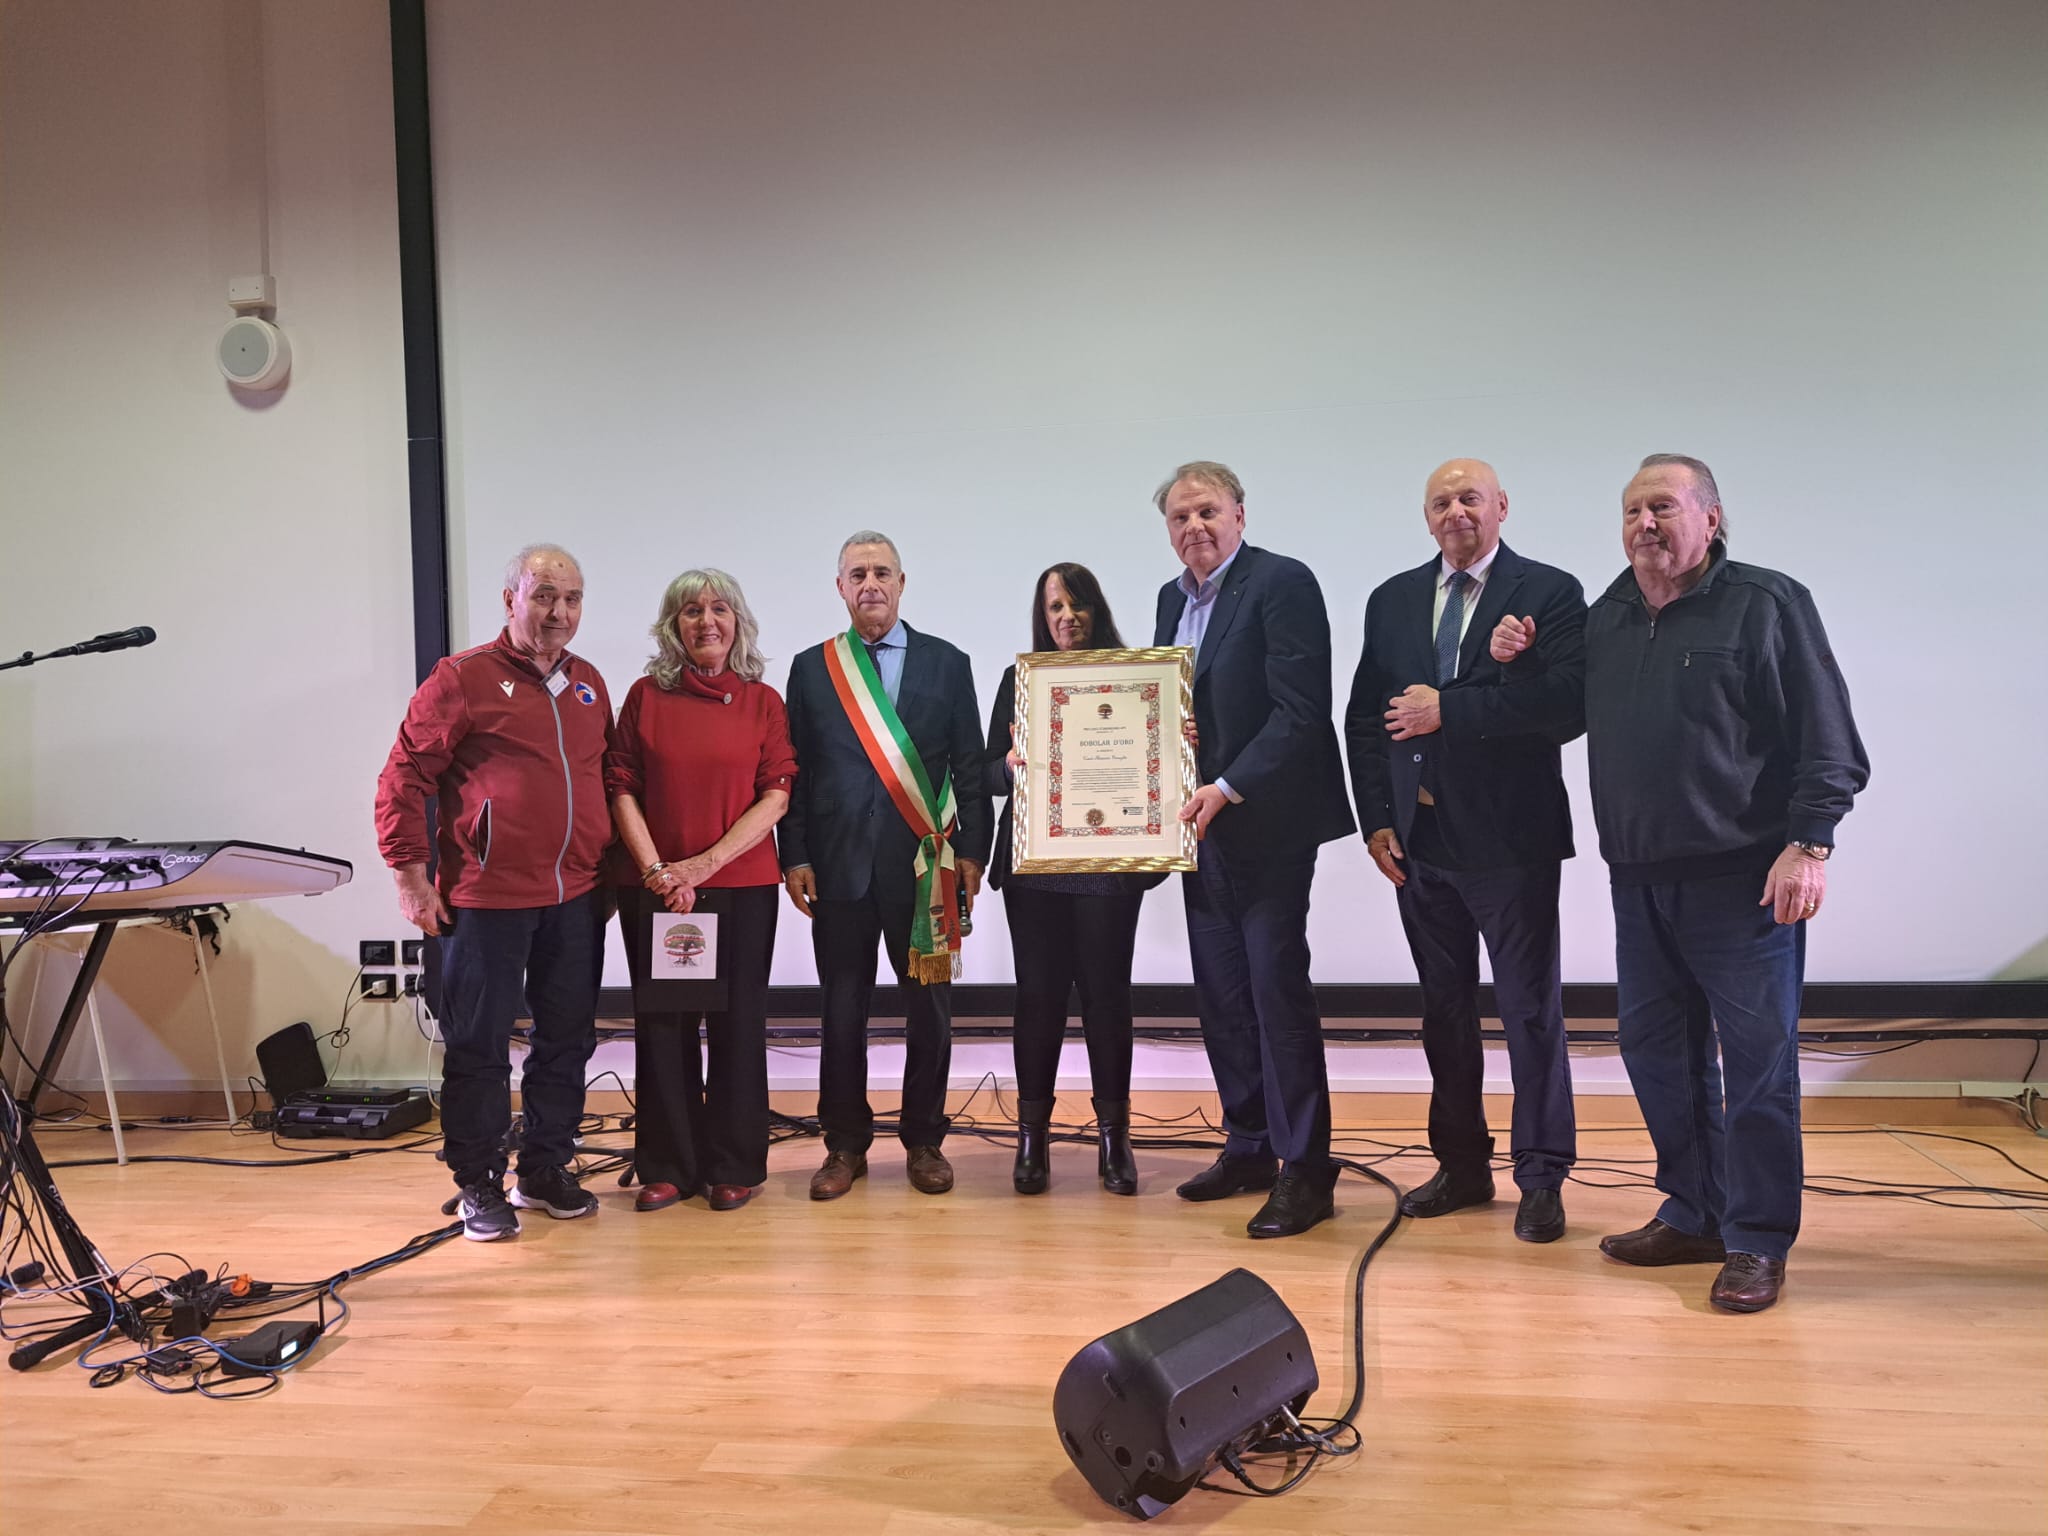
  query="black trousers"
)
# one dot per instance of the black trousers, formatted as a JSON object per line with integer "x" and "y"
{"x": 843, "y": 938}
{"x": 1062, "y": 941}
{"x": 1445, "y": 913}
{"x": 1248, "y": 941}
{"x": 490, "y": 961}
{"x": 695, "y": 1126}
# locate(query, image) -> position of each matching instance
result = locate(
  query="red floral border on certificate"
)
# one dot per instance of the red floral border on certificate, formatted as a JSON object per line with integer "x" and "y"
{"x": 1055, "y": 798}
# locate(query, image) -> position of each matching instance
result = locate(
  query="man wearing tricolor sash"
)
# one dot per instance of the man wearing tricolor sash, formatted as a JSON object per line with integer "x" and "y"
{"x": 885, "y": 840}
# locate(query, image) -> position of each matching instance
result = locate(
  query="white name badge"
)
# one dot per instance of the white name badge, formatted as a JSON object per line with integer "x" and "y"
{"x": 557, "y": 681}
{"x": 684, "y": 948}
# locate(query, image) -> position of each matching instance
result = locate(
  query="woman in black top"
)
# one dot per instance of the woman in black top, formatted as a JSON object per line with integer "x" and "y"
{"x": 1066, "y": 930}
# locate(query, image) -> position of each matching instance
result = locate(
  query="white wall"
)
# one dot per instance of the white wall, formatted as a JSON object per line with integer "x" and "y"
{"x": 723, "y": 283}
{"x": 856, "y": 264}
{"x": 264, "y": 539}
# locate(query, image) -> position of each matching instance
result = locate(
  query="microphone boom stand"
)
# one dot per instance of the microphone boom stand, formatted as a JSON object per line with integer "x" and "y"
{"x": 26, "y": 1187}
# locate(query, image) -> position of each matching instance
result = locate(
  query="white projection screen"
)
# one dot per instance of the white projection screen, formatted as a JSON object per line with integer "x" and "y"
{"x": 724, "y": 282}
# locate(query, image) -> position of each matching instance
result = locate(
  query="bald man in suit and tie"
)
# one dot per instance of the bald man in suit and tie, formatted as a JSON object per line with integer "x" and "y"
{"x": 1455, "y": 773}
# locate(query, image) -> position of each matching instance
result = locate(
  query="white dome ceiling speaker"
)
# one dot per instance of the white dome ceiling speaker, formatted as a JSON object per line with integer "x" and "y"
{"x": 254, "y": 353}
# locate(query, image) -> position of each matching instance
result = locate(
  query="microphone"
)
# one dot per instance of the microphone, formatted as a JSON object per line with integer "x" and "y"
{"x": 119, "y": 640}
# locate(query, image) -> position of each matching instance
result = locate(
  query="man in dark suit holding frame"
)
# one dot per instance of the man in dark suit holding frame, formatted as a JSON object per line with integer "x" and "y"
{"x": 1455, "y": 773}
{"x": 1272, "y": 794}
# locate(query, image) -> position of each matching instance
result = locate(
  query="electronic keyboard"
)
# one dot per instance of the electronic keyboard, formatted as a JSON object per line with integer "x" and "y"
{"x": 112, "y": 874}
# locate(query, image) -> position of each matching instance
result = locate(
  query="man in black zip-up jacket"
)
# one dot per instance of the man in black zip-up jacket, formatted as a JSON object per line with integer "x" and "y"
{"x": 1722, "y": 755}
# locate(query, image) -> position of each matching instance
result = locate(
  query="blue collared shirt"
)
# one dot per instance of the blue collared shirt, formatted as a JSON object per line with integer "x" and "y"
{"x": 1201, "y": 602}
{"x": 889, "y": 654}
{"x": 1194, "y": 624}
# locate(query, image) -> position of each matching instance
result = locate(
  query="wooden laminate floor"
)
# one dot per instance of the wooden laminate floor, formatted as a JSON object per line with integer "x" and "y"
{"x": 885, "y": 1363}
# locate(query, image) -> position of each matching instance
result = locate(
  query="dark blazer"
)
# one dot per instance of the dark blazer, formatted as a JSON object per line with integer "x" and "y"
{"x": 841, "y": 820}
{"x": 1493, "y": 767}
{"x": 1262, "y": 704}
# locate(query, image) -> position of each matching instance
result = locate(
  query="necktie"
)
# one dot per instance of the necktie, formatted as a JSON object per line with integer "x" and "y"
{"x": 1447, "y": 628}
{"x": 875, "y": 649}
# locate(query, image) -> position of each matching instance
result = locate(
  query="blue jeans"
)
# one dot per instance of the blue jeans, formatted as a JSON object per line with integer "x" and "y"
{"x": 1699, "y": 966}
{"x": 495, "y": 965}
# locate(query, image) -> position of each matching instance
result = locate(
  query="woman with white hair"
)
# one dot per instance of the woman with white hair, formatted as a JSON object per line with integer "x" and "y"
{"x": 698, "y": 773}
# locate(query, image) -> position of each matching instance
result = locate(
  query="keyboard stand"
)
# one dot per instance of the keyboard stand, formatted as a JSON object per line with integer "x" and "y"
{"x": 83, "y": 997}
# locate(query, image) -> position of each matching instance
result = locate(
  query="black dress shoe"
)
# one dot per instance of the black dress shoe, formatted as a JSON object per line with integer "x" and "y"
{"x": 1229, "y": 1176}
{"x": 1446, "y": 1192}
{"x": 1748, "y": 1282}
{"x": 1659, "y": 1244}
{"x": 1540, "y": 1216}
{"x": 1299, "y": 1200}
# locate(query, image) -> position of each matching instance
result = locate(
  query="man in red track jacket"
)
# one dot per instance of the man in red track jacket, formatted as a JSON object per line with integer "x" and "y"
{"x": 509, "y": 738}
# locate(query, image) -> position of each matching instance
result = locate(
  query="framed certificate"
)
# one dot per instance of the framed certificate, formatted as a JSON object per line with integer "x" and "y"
{"x": 1107, "y": 766}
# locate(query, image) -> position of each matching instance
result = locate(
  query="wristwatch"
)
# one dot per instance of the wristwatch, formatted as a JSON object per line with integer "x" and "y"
{"x": 1812, "y": 850}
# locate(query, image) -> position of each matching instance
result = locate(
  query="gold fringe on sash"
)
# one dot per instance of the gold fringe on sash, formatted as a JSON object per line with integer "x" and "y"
{"x": 930, "y": 970}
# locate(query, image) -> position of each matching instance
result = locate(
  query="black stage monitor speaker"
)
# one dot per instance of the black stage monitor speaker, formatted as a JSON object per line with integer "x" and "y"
{"x": 1146, "y": 1410}
{"x": 290, "y": 1063}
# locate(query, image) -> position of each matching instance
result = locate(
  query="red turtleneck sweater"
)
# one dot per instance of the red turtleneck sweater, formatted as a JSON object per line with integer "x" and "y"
{"x": 695, "y": 757}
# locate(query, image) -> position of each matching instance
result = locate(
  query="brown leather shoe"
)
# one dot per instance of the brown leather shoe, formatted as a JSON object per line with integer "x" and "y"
{"x": 930, "y": 1173}
{"x": 1659, "y": 1244}
{"x": 656, "y": 1197}
{"x": 730, "y": 1197}
{"x": 1748, "y": 1282}
{"x": 836, "y": 1177}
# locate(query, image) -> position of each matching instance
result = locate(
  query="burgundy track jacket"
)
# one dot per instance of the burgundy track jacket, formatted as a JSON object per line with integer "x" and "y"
{"x": 516, "y": 762}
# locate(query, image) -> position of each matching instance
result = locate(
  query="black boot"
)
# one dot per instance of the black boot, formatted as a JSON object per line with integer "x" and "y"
{"x": 1034, "y": 1125}
{"x": 1113, "y": 1120}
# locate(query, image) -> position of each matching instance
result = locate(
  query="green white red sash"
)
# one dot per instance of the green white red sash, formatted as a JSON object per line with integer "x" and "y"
{"x": 936, "y": 923}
